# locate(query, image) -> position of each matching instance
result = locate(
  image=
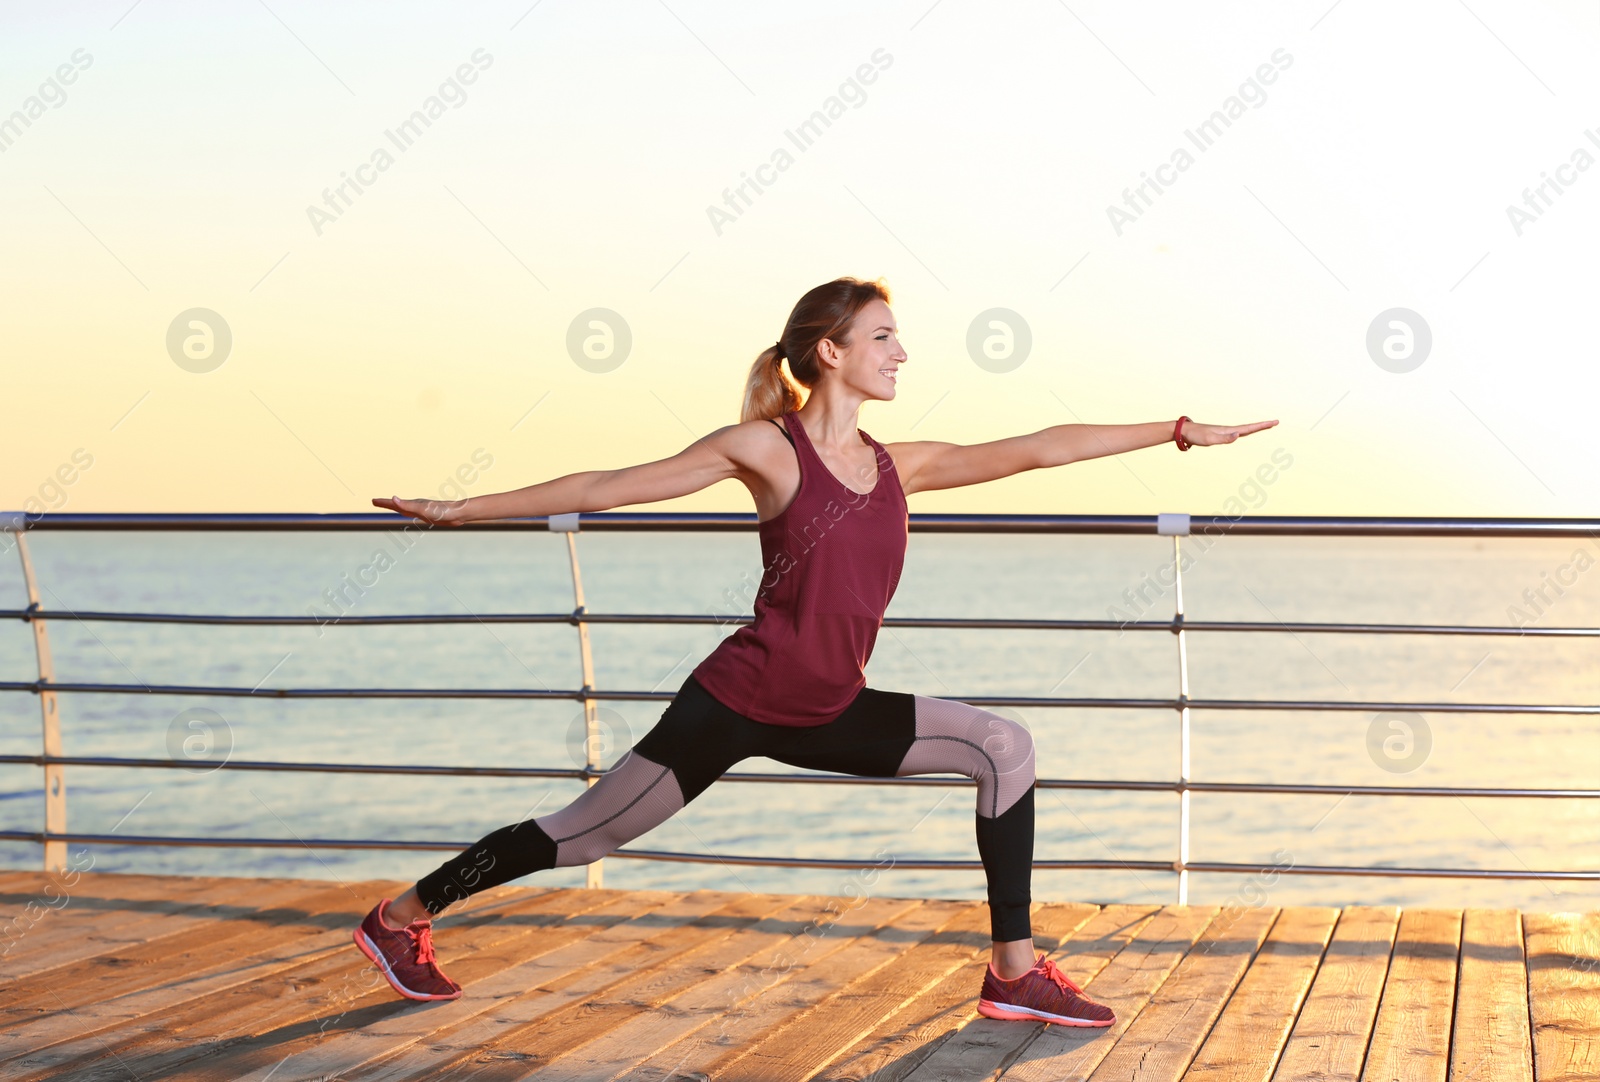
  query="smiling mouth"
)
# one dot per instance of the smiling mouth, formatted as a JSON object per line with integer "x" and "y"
{"x": 890, "y": 372}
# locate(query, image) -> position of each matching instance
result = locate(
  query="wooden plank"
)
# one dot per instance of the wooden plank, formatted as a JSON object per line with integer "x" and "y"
{"x": 340, "y": 990}
{"x": 812, "y": 935}
{"x": 100, "y": 936}
{"x": 567, "y": 1033}
{"x": 1329, "y": 1040}
{"x": 138, "y": 962}
{"x": 101, "y": 884}
{"x": 1162, "y": 1040}
{"x": 547, "y": 990}
{"x": 1411, "y": 1041}
{"x": 1564, "y": 994}
{"x": 232, "y": 935}
{"x": 805, "y": 1041}
{"x": 983, "y": 1046}
{"x": 29, "y": 901}
{"x": 1125, "y": 985}
{"x": 109, "y": 912}
{"x": 191, "y": 978}
{"x": 107, "y": 904}
{"x": 17, "y": 875}
{"x": 1248, "y": 1037}
{"x": 302, "y": 938}
{"x": 670, "y": 1016}
{"x": 901, "y": 1040}
{"x": 811, "y": 979}
{"x": 18, "y": 885}
{"x": 316, "y": 940}
{"x": 1490, "y": 1038}
{"x": 470, "y": 1049}
{"x": 52, "y": 912}
{"x": 336, "y": 989}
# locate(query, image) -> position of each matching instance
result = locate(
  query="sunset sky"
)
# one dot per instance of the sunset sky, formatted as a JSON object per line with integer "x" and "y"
{"x": 164, "y": 157}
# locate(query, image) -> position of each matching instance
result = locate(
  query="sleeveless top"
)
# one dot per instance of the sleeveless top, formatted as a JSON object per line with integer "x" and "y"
{"x": 831, "y": 561}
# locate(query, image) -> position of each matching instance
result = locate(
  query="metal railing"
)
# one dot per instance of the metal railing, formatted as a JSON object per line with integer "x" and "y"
{"x": 55, "y": 836}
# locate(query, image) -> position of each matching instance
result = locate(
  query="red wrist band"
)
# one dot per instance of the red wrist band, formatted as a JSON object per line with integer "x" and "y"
{"x": 1177, "y": 435}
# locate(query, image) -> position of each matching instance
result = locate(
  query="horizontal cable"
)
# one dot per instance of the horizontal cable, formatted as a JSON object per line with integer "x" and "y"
{"x": 579, "y": 773}
{"x": 1207, "y": 525}
{"x": 947, "y": 623}
{"x": 225, "y": 691}
{"x": 1385, "y": 873}
{"x": 745, "y": 860}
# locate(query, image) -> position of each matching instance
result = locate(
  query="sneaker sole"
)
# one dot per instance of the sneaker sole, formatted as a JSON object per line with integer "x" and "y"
{"x": 990, "y": 1009}
{"x": 367, "y": 948}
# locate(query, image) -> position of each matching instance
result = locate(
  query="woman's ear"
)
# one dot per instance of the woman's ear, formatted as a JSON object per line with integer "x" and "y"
{"x": 828, "y": 353}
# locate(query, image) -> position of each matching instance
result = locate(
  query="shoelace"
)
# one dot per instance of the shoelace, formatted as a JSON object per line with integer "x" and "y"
{"x": 1048, "y": 968}
{"x": 422, "y": 935}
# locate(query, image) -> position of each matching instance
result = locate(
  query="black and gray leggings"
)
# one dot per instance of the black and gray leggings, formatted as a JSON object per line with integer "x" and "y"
{"x": 881, "y": 734}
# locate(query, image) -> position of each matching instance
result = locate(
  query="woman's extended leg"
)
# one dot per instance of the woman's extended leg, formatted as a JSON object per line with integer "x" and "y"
{"x": 696, "y": 740}
{"x": 632, "y": 798}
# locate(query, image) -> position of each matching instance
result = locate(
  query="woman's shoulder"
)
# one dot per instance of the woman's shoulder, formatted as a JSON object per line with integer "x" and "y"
{"x": 754, "y": 433}
{"x": 761, "y": 446}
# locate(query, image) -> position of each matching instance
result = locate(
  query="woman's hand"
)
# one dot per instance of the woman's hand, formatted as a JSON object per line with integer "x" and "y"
{"x": 1202, "y": 435}
{"x": 428, "y": 512}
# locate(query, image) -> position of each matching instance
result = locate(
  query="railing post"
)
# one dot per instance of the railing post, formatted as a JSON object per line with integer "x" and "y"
{"x": 1178, "y": 526}
{"x": 568, "y": 524}
{"x": 55, "y": 781}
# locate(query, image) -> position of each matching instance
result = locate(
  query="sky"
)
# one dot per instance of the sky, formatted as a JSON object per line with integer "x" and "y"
{"x": 1372, "y": 223}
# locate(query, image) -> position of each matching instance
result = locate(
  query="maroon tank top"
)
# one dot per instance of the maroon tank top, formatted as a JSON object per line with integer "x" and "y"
{"x": 831, "y": 561}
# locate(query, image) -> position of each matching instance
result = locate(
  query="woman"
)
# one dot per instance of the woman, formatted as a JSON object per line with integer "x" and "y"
{"x": 789, "y": 686}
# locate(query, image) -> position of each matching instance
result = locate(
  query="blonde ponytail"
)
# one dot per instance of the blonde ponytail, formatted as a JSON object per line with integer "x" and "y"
{"x": 768, "y": 392}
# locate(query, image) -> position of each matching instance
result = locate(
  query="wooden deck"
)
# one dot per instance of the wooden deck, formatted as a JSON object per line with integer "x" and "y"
{"x": 142, "y": 977}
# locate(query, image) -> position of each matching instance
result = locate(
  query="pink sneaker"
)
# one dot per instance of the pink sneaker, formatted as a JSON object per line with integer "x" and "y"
{"x": 1043, "y": 994}
{"x": 405, "y": 957}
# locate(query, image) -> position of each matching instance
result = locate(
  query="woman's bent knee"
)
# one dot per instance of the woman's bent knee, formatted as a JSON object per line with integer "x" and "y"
{"x": 1008, "y": 745}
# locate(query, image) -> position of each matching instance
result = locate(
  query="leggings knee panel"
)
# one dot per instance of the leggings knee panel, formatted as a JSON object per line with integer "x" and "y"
{"x": 994, "y": 751}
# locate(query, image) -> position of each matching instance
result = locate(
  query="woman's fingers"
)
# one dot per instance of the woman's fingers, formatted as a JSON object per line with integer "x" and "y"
{"x": 415, "y": 509}
{"x": 1229, "y": 433}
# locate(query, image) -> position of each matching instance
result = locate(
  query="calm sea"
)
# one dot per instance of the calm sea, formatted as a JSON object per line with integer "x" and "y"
{"x": 1238, "y": 578}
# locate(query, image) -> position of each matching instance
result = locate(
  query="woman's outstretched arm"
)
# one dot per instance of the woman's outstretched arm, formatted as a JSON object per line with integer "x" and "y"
{"x": 928, "y": 464}
{"x": 710, "y": 459}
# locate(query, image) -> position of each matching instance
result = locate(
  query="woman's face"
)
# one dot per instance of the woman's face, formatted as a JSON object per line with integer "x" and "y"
{"x": 870, "y": 364}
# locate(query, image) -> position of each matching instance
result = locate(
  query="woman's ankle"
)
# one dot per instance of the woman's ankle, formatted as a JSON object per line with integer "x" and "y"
{"x": 1011, "y": 960}
{"x": 402, "y": 911}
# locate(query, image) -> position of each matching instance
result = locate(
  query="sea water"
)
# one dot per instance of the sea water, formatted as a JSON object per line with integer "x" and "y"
{"x": 1531, "y": 582}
